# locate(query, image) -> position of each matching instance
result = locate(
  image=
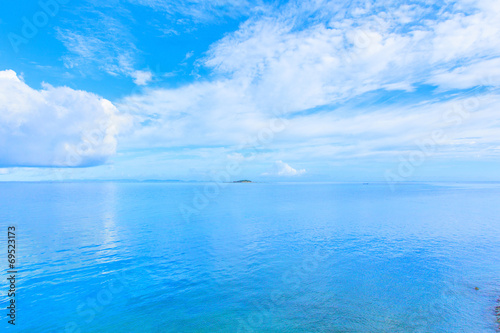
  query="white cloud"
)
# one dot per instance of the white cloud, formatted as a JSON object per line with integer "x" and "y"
{"x": 54, "y": 126}
{"x": 142, "y": 78}
{"x": 278, "y": 64}
{"x": 281, "y": 168}
{"x": 207, "y": 114}
{"x": 315, "y": 54}
{"x": 199, "y": 11}
{"x": 483, "y": 73}
{"x": 292, "y": 65}
{"x": 104, "y": 43}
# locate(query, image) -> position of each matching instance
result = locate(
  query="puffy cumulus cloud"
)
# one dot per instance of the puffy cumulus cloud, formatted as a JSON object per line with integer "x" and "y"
{"x": 282, "y": 169}
{"x": 55, "y": 126}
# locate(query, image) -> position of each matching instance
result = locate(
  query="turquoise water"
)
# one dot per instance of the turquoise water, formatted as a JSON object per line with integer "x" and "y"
{"x": 120, "y": 257}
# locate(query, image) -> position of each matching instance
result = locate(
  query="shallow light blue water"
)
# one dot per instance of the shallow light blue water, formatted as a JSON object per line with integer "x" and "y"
{"x": 120, "y": 257}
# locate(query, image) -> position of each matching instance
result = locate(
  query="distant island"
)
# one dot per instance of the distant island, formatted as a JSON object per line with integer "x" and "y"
{"x": 242, "y": 181}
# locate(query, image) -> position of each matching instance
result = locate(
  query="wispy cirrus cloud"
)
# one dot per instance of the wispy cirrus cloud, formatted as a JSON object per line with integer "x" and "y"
{"x": 484, "y": 72}
{"x": 200, "y": 11}
{"x": 102, "y": 43}
{"x": 333, "y": 59}
{"x": 315, "y": 69}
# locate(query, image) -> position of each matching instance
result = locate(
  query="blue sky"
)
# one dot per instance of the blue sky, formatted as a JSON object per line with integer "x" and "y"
{"x": 265, "y": 90}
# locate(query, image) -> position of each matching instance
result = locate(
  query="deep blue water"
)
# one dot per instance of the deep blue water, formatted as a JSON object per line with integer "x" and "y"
{"x": 120, "y": 257}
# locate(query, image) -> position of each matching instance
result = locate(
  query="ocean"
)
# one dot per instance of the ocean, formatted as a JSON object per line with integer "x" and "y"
{"x": 256, "y": 257}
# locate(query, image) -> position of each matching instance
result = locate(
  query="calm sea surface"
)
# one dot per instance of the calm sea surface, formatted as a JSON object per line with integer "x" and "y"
{"x": 161, "y": 257}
